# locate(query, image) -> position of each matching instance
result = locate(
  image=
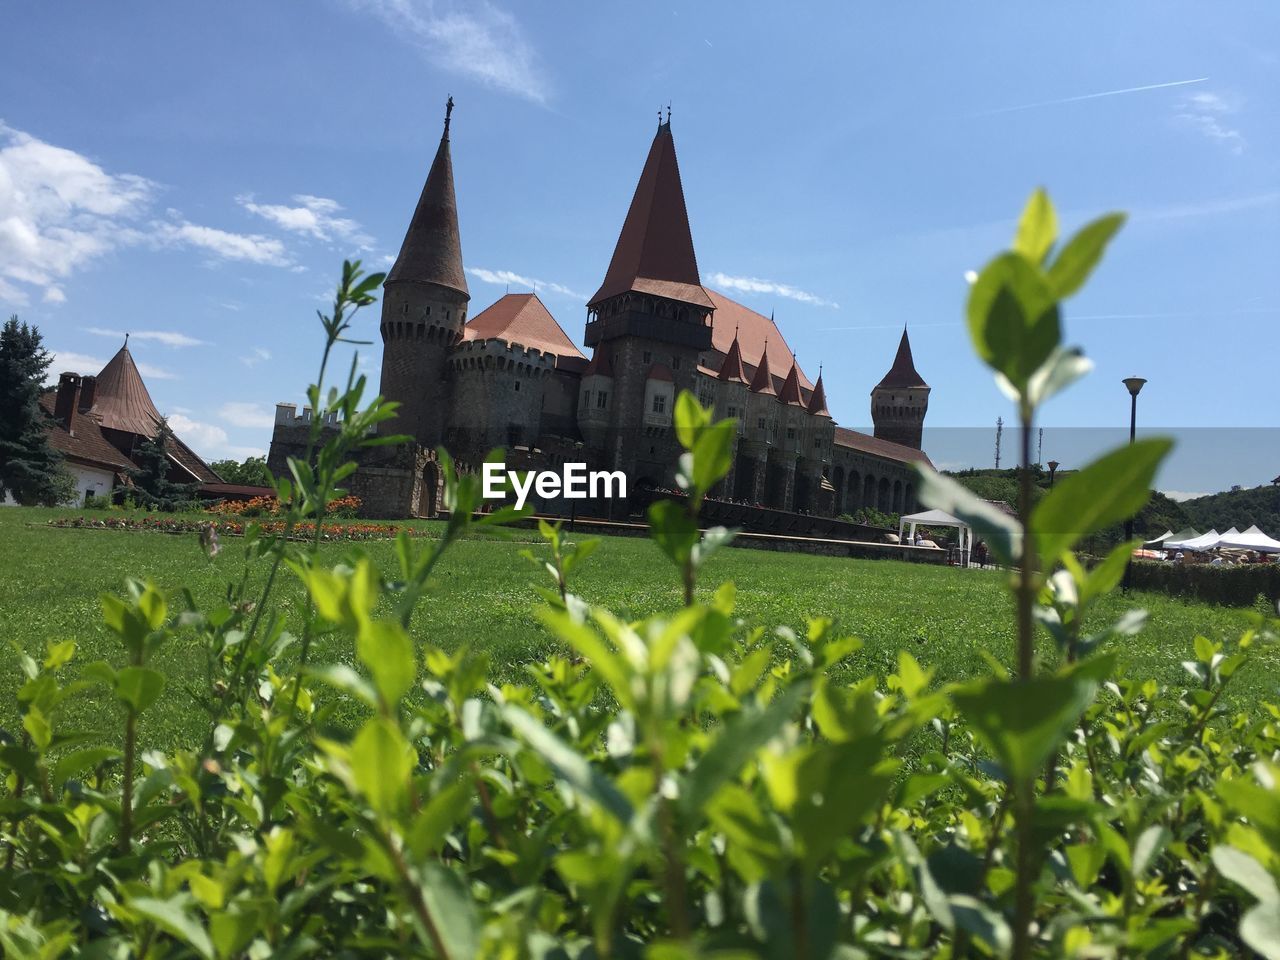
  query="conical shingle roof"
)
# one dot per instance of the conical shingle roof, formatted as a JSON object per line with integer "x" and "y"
{"x": 762, "y": 382}
{"x": 731, "y": 370}
{"x": 432, "y": 248}
{"x": 121, "y": 400}
{"x": 791, "y": 388}
{"x": 523, "y": 319}
{"x": 601, "y": 364}
{"x": 903, "y": 372}
{"x": 818, "y": 400}
{"x": 655, "y": 248}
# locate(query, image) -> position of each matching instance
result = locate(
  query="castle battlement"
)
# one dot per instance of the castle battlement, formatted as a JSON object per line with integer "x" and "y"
{"x": 287, "y": 416}
{"x": 502, "y": 356}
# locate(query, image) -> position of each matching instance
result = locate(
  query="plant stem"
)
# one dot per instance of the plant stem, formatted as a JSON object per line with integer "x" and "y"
{"x": 126, "y": 794}
{"x": 1024, "y": 789}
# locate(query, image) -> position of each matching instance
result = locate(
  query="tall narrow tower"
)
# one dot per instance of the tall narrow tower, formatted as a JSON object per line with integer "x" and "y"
{"x": 900, "y": 401}
{"x": 424, "y": 306}
{"x": 651, "y": 313}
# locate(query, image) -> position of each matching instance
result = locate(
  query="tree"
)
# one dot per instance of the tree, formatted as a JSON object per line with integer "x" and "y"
{"x": 150, "y": 478}
{"x": 252, "y": 472}
{"x": 30, "y": 468}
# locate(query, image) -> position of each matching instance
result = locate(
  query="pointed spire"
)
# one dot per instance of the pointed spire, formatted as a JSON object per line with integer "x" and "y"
{"x": 120, "y": 398}
{"x": 791, "y": 387}
{"x": 601, "y": 361}
{"x": 432, "y": 248}
{"x": 655, "y": 252}
{"x": 762, "y": 382}
{"x": 731, "y": 370}
{"x": 903, "y": 372}
{"x": 818, "y": 399}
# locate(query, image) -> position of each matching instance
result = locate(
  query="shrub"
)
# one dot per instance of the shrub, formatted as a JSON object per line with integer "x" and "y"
{"x": 683, "y": 786}
{"x": 1231, "y": 586}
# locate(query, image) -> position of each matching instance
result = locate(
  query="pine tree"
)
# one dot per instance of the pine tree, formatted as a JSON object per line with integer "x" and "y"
{"x": 30, "y": 468}
{"x": 151, "y": 476}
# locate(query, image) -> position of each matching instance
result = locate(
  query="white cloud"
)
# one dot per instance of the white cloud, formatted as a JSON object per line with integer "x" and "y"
{"x": 476, "y": 40}
{"x": 60, "y": 211}
{"x": 1181, "y": 495}
{"x": 256, "y": 356}
{"x": 207, "y": 439}
{"x": 508, "y": 277}
{"x": 240, "y": 414}
{"x": 152, "y": 372}
{"x": 1208, "y": 113}
{"x": 313, "y": 217}
{"x": 68, "y": 361}
{"x": 756, "y": 285}
{"x": 170, "y": 338}
{"x": 246, "y": 247}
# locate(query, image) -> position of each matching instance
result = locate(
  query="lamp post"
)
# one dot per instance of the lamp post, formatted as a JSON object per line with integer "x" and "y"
{"x": 1134, "y": 386}
{"x": 1053, "y": 469}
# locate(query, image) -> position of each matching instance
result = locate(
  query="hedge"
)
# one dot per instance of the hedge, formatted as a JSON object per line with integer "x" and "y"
{"x": 1229, "y": 586}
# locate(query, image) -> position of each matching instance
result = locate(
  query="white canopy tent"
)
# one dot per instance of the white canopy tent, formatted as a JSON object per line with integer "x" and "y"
{"x": 1158, "y": 540}
{"x": 1251, "y": 539}
{"x": 938, "y": 518}
{"x": 1206, "y": 541}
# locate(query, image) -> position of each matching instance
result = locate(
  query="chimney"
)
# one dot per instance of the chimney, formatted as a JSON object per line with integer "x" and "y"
{"x": 67, "y": 399}
{"x": 88, "y": 386}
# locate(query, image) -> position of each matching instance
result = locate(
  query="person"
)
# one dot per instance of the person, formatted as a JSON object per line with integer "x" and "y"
{"x": 980, "y": 553}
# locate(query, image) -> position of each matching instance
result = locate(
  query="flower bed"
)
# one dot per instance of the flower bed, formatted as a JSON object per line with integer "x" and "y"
{"x": 236, "y": 528}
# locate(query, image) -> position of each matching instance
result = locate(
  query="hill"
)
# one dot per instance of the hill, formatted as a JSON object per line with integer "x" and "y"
{"x": 1236, "y": 508}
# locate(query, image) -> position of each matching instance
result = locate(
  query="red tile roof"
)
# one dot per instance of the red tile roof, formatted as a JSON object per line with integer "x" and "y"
{"x": 432, "y": 247}
{"x": 660, "y": 371}
{"x": 84, "y": 443}
{"x": 521, "y": 318}
{"x": 753, "y": 331}
{"x": 121, "y": 400}
{"x": 903, "y": 372}
{"x": 601, "y": 361}
{"x": 865, "y": 443}
{"x": 790, "y": 392}
{"x": 655, "y": 253}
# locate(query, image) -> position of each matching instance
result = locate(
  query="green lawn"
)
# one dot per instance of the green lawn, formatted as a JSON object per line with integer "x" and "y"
{"x": 945, "y": 617}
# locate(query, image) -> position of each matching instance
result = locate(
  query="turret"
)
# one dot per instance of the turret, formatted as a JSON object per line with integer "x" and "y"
{"x": 424, "y": 306}
{"x": 900, "y": 401}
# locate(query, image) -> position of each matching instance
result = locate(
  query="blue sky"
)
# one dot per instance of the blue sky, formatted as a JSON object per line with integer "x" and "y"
{"x": 196, "y": 174}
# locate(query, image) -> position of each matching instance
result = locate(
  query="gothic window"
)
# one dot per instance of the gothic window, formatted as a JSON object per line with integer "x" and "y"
{"x": 675, "y": 363}
{"x": 733, "y": 411}
{"x": 517, "y": 386}
{"x": 586, "y": 397}
{"x": 760, "y": 424}
{"x": 602, "y": 399}
{"x": 791, "y": 433}
{"x": 659, "y": 403}
{"x": 647, "y": 357}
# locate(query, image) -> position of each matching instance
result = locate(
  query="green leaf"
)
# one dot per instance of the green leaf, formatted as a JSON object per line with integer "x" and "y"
{"x": 569, "y": 765}
{"x": 1023, "y": 721}
{"x": 1101, "y": 495}
{"x": 1071, "y": 268}
{"x": 1244, "y": 871}
{"x": 1013, "y": 318}
{"x": 1147, "y": 848}
{"x": 690, "y": 417}
{"x": 1001, "y": 532}
{"x": 734, "y": 746}
{"x": 1260, "y": 929}
{"x": 382, "y": 761}
{"x": 1038, "y": 227}
{"x": 981, "y": 921}
{"x": 139, "y": 687}
{"x": 438, "y": 816}
{"x": 385, "y": 648}
{"x": 595, "y": 650}
{"x": 170, "y": 917}
{"x": 713, "y": 455}
{"x": 80, "y": 760}
{"x": 342, "y": 677}
{"x": 232, "y": 930}
{"x": 673, "y": 530}
{"x": 37, "y": 727}
{"x": 453, "y": 912}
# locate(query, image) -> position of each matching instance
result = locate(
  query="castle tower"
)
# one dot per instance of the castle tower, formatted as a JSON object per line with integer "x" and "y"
{"x": 424, "y": 307}
{"x": 900, "y": 401}
{"x": 652, "y": 313}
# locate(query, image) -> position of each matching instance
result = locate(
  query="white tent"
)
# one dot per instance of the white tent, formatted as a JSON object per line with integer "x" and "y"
{"x": 1206, "y": 541}
{"x": 1159, "y": 540}
{"x": 938, "y": 518}
{"x": 1251, "y": 539}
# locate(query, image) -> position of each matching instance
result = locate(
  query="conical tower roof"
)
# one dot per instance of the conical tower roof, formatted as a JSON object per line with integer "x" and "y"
{"x": 121, "y": 400}
{"x": 655, "y": 248}
{"x": 601, "y": 361}
{"x": 762, "y": 382}
{"x": 903, "y": 372}
{"x": 432, "y": 248}
{"x": 818, "y": 399}
{"x": 731, "y": 370}
{"x": 791, "y": 388}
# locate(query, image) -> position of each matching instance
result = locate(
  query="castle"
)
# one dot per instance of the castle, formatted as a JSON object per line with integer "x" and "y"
{"x": 510, "y": 377}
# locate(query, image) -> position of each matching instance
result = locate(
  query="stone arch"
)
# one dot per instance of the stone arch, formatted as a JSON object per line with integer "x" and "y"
{"x": 882, "y": 495}
{"x": 428, "y": 489}
{"x": 869, "y": 491}
{"x": 853, "y": 497}
{"x": 909, "y": 498}
{"x": 837, "y": 481}
{"x": 897, "y": 496}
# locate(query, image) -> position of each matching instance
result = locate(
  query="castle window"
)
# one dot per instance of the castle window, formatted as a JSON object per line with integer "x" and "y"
{"x": 760, "y": 424}
{"x": 586, "y": 397}
{"x": 659, "y": 403}
{"x": 733, "y": 411}
{"x": 427, "y": 312}
{"x": 517, "y": 386}
{"x": 647, "y": 357}
{"x": 675, "y": 363}
{"x": 791, "y": 433}
{"x": 602, "y": 399}
{"x": 817, "y": 443}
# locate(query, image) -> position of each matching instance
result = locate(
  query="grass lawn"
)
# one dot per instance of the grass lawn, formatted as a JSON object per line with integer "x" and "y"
{"x": 53, "y": 578}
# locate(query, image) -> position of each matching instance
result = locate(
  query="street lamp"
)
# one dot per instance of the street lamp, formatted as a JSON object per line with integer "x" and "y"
{"x": 1134, "y": 386}
{"x": 1053, "y": 469}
